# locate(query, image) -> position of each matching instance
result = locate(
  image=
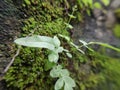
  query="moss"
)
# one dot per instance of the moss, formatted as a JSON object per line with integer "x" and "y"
{"x": 108, "y": 69}
{"x": 30, "y": 71}
{"x": 117, "y": 30}
{"x": 117, "y": 13}
{"x": 111, "y": 74}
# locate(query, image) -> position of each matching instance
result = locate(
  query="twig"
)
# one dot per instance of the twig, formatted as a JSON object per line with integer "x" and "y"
{"x": 11, "y": 62}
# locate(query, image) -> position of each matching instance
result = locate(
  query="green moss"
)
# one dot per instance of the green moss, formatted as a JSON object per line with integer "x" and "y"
{"x": 117, "y": 30}
{"x": 30, "y": 70}
{"x": 108, "y": 68}
{"x": 111, "y": 74}
{"x": 117, "y": 13}
{"x": 54, "y": 27}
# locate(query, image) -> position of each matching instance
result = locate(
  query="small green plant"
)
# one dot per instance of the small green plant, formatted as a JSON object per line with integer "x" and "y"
{"x": 53, "y": 44}
{"x": 85, "y": 5}
{"x": 85, "y": 44}
{"x": 71, "y": 43}
{"x": 64, "y": 78}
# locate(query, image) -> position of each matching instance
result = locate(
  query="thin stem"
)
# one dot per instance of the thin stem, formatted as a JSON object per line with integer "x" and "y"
{"x": 11, "y": 62}
{"x": 105, "y": 45}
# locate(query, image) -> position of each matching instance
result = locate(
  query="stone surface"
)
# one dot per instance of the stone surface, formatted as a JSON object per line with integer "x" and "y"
{"x": 99, "y": 29}
{"x": 8, "y": 31}
{"x": 115, "y": 4}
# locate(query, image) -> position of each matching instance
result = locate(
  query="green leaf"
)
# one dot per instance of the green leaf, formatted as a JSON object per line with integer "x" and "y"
{"x": 48, "y": 65}
{"x": 69, "y": 55}
{"x": 77, "y": 48}
{"x": 67, "y": 87}
{"x": 27, "y": 2}
{"x": 85, "y": 2}
{"x": 106, "y": 2}
{"x": 64, "y": 78}
{"x": 64, "y": 72}
{"x": 38, "y": 38}
{"x": 53, "y": 57}
{"x": 71, "y": 16}
{"x": 105, "y": 45}
{"x": 59, "y": 84}
{"x": 116, "y": 30}
{"x": 69, "y": 26}
{"x": 59, "y": 50}
{"x": 43, "y": 38}
{"x": 66, "y": 50}
{"x": 56, "y": 41}
{"x": 55, "y": 72}
{"x": 69, "y": 83}
{"x": 90, "y": 2}
{"x": 75, "y": 8}
{"x": 58, "y": 71}
{"x": 34, "y": 44}
{"x": 97, "y": 5}
{"x": 63, "y": 36}
{"x": 36, "y": 41}
{"x": 65, "y": 81}
{"x": 83, "y": 42}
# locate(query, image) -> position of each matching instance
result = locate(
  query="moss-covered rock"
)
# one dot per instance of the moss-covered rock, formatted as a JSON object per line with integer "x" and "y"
{"x": 30, "y": 70}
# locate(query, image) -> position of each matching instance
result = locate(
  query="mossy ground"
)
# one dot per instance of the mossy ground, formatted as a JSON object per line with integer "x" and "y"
{"x": 28, "y": 71}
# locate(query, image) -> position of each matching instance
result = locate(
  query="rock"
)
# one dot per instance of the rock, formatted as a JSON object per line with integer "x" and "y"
{"x": 99, "y": 16}
{"x": 9, "y": 28}
{"x": 97, "y": 13}
{"x": 110, "y": 19}
{"x": 90, "y": 31}
{"x": 115, "y": 4}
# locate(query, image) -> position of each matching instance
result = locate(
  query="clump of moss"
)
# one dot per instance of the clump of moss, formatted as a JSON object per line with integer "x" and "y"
{"x": 112, "y": 74}
{"x": 28, "y": 71}
{"x": 117, "y": 13}
{"x": 116, "y": 30}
